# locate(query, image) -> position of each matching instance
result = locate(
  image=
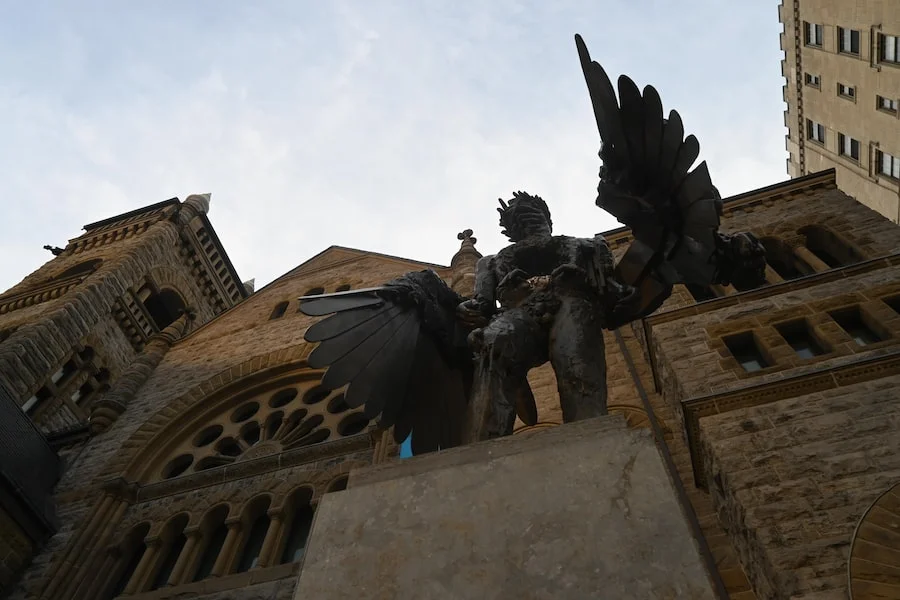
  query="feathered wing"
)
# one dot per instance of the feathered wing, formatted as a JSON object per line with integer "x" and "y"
{"x": 402, "y": 353}
{"x": 647, "y": 183}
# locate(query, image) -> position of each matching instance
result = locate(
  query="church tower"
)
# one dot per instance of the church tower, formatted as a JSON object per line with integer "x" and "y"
{"x": 80, "y": 335}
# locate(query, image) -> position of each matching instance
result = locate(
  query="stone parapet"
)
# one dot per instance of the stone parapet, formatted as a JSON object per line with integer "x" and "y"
{"x": 583, "y": 510}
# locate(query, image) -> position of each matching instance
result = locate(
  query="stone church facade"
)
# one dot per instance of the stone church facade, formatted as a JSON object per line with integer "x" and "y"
{"x": 185, "y": 444}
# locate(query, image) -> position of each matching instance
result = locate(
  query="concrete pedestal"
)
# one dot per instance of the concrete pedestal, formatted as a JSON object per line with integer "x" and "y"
{"x": 584, "y": 510}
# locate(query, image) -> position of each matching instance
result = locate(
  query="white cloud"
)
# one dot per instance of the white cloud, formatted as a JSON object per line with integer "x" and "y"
{"x": 385, "y": 126}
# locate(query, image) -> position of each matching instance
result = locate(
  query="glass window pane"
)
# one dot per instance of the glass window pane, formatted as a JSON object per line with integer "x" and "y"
{"x": 744, "y": 349}
{"x": 752, "y": 364}
{"x": 798, "y": 335}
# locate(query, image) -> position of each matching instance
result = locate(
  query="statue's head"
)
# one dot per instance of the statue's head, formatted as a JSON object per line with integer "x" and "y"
{"x": 524, "y": 216}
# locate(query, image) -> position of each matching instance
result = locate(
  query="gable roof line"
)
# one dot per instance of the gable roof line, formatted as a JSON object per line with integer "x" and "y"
{"x": 361, "y": 254}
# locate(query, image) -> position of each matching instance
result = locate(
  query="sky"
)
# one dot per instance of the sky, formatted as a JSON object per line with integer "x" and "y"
{"x": 384, "y": 125}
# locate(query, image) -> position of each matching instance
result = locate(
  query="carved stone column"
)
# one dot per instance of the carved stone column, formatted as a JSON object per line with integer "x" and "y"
{"x": 144, "y": 568}
{"x": 103, "y": 574}
{"x": 271, "y": 540}
{"x": 106, "y": 410}
{"x": 772, "y": 276}
{"x": 385, "y": 446}
{"x": 804, "y": 254}
{"x": 74, "y": 550}
{"x": 225, "y": 558}
{"x": 186, "y": 556}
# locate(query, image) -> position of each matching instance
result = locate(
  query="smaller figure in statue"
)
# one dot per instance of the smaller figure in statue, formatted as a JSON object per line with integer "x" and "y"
{"x": 541, "y": 298}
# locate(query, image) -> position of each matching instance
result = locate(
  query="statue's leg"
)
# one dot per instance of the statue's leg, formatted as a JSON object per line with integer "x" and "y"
{"x": 578, "y": 358}
{"x": 509, "y": 345}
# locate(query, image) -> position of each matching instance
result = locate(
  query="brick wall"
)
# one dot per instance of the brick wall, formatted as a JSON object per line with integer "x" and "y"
{"x": 200, "y": 359}
{"x": 791, "y": 479}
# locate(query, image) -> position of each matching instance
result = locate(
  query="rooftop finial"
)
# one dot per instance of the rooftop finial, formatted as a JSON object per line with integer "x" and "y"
{"x": 199, "y": 202}
{"x": 467, "y": 240}
{"x": 467, "y": 251}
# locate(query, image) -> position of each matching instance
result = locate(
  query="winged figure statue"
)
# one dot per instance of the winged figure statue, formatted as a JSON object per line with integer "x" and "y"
{"x": 414, "y": 352}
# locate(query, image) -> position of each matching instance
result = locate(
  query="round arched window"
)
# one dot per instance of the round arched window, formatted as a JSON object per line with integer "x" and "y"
{"x": 290, "y": 412}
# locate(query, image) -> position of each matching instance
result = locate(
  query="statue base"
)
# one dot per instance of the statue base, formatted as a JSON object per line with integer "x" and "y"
{"x": 584, "y": 510}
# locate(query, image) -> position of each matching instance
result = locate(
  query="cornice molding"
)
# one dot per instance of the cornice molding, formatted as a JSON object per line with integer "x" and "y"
{"x": 832, "y": 378}
{"x": 257, "y": 466}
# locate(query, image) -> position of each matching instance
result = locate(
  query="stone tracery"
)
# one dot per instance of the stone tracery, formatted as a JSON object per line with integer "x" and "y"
{"x": 289, "y": 412}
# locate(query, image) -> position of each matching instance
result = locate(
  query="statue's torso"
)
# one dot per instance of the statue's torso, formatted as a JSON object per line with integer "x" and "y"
{"x": 536, "y": 256}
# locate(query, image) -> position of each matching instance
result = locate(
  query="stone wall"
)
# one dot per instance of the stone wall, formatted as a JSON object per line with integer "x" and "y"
{"x": 16, "y": 549}
{"x": 693, "y": 360}
{"x": 792, "y": 454}
{"x": 242, "y": 344}
{"x": 791, "y": 479}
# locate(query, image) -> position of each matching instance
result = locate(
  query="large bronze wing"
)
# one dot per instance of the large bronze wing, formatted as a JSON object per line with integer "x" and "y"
{"x": 646, "y": 182}
{"x": 401, "y": 350}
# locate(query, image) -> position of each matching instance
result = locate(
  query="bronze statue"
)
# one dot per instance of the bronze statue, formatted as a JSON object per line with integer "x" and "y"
{"x": 414, "y": 352}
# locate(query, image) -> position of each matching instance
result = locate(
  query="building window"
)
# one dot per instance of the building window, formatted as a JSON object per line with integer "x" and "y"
{"x": 257, "y": 529}
{"x": 829, "y": 247}
{"x": 279, "y": 310}
{"x": 848, "y": 41}
{"x": 887, "y": 164}
{"x": 298, "y": 524}
{"x": 815, "y": 131}
{"x": 82, "y": 269}
{"x": 290, "y": 412}
{"x": 164, "y": 307}
{"x": 852, "y": 321}
{"x": 799, "y": 336}
{"x": 848, "y": 147}
{"x": 746, "y": 351}
{"x": 174, "y": 541}
{"x": 314, "y": 291}
{"x": 41, "y": 396}
{"x": 846, "y": 91}
{"x": 782, "y": 259}
{"x": 814, "y": 33}
{"x": 338, "y": 485}
{"x": 343, "y": 288}
{"x": 893, "y": 302}
{"x": 214, "y": 533}
{"x": 886, "y": 104}
{"x": 889, "y": 48}
{"x": 813, "y": 80}
{"x": 132, "y": 551}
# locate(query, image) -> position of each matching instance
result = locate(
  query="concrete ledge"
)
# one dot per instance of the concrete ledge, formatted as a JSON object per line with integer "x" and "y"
{"x": 584, "y": 510}
{"x": 481, "y": 451}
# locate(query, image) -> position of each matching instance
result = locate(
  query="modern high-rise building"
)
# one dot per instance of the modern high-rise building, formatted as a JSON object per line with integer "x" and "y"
{"x": 842, "y": 69}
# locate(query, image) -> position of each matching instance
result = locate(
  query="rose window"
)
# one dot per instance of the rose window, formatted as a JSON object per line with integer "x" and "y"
{"x": 261, "y": 423}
